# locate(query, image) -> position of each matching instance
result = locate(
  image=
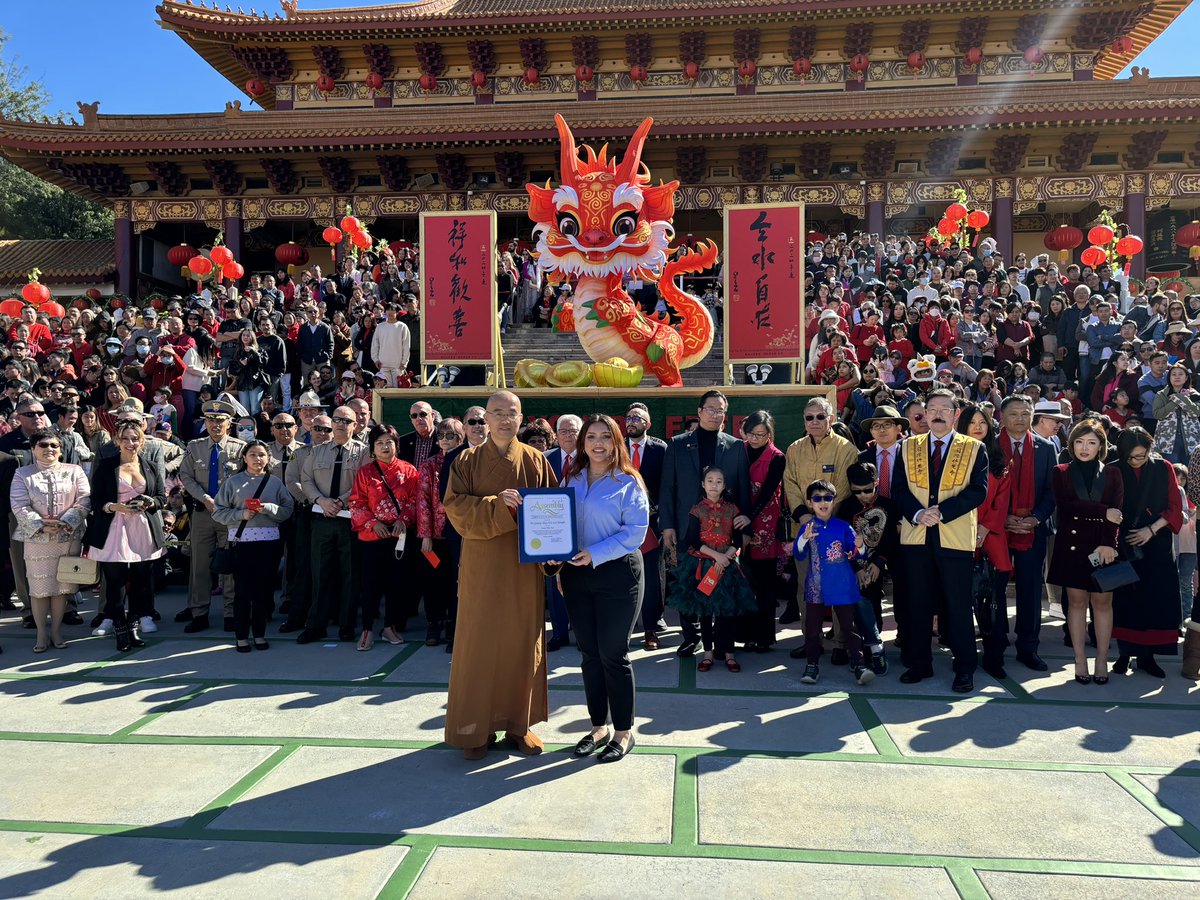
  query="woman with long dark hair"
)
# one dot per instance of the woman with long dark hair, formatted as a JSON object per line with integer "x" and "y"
{"x": 1146, "y": 613}
{"x": 767, "y": 464}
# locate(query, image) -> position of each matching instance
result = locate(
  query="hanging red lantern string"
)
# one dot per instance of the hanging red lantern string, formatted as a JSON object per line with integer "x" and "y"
{"x": 332, "y": 236}
{"x": 35, "y": 293}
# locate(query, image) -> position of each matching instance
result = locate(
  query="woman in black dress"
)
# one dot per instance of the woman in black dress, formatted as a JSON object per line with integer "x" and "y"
{"x": 1088, "y": 497}
{"x": 1146, "y": 613}
{"x": 767, "y": 463}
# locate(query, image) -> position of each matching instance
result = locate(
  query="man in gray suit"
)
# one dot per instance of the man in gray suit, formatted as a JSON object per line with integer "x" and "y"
{"x": 688, "y": 456}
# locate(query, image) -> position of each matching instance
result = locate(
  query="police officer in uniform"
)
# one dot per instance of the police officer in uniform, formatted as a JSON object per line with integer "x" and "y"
{"x": 206, "y": 464}
{"x": 320, "y": 433}
{"x": 283, "y": 451}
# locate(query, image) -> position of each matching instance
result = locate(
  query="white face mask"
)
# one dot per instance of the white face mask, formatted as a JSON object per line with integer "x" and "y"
{"x": 245, "y": 434}
{"x": 1033, "y": 315}
{"x": 935, "y": 312}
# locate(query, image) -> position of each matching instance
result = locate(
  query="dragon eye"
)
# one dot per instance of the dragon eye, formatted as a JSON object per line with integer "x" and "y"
{"x": 568, "y": 225}
{"x": 625, "y": 224}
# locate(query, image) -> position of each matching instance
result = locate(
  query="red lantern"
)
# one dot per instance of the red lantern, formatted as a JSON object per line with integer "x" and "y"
{"x": 1100, "y": 234}
{"x": 361, "y": 240}
{"x": 532, "y": 75}
{"x": 956, "y": 212}
{"x": 1093, "y": 256}
{"x": 747, "y": 69}
{"x": 159, "y": 302}
{"x": 584, "y": 74}
{"x": 860, "y": 63}
{"x": 255, "y": 88}
{"x": 82, "y": 303}
{"x": 199, "y": 266}
{"x": 375, "y": 81}
{"x": 12, "y": 308}
{"x": 974, "y": 56}
{"x": 233, "y": 271}
{"x": 916, "y": 60}
{"x": 1122, "y": 45}
{"x": 179, "y": 255}
{"x": 350, "y": 224}
{"x": 326, "y": 84}
{"x": 691, "y": 71}
{"x": 802, "y": 67}
{"x": 290, "y": 254}
{"x": 53, "y": 309}
{"x": 36, "y": 293}
{"x": 1065, "y": 237}
{"x": 638, "y": 74}
{"x": 332, "y": 236}
{"x": 816, "y": 237}
{"x": 116, "y": 301}
{"x": 478, "y": 79}
{"x": 429, "y": 83}
{"x": 92, "y": 294}
{"x": 1189, "y": 235}
{"x": 978, "y": 219}
{"x": 220, "y": 255}
{"x": 1034, "y": 55}
{"x": 947, "y": 227}
{"x": 1130, "y": 245}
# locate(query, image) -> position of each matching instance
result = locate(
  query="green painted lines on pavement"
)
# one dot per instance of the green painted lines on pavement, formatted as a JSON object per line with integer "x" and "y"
{"x": 229, "y": 796}
{"x": 405, "y": 875}
{"x": 874, "y": 727}
{"x": 966, "y": 882}
{"x": 169, "y": 706}
{"x": 1186, "y": 831}
{"x": 398, "y": 659}
{"x": 685, "y": 814}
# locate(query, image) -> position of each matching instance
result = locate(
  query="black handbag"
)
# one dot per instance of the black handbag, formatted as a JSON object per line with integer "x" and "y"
{"x": 221, "y": 562}
{"x": 1119, "y": 574}
{"x": 983, "y": 594}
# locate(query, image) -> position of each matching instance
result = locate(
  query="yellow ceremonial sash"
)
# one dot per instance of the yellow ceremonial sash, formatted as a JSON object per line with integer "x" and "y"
{"x": 956, "y": 473}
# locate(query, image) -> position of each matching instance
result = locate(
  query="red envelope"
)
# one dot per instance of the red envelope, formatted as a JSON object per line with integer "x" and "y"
{"x": 709, "y": 582}
{"x": 432, "y": 557}
{"x": 650, "y": 543}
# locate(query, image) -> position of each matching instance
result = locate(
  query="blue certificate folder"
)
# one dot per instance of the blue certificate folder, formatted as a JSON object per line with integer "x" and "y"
{"x": 546, "y": 527}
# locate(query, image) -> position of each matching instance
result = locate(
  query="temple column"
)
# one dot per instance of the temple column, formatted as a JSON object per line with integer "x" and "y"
{"x": 875, "y": 194}
{"x": 1135, "y": 218}
{"x": 1002, "y": 218}
{"x": 234, "y": 233}
{"x": 125, "y": 245}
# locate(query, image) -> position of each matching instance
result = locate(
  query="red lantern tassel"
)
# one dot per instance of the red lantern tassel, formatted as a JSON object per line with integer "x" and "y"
{"x": 1127, "y": 265}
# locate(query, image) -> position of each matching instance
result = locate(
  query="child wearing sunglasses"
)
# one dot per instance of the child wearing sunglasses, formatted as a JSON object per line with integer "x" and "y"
{"x": 830, "y": 544}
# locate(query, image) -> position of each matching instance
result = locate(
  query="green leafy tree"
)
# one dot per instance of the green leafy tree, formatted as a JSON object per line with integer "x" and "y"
{"x": 29, "y": 206}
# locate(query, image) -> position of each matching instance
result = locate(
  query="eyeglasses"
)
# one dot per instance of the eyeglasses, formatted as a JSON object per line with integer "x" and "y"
{"x": 713, "y": 410}
{"x": 866, "y": 490}
{"x": 815, "y": 417}
{"x": 33, "y": 414}
{"x": 283, "y": 424}
{"x": 758, "y": 435}
{"x": 634, "y": 418}
{"x": 447, "y": 436}
{"x": 476, "y": 422}
{"x": 322, "y": 429}
{"x": 342, "y": 420}
{"x": 417, "y": 415}
{"x": 916, "y": 417}
{"x": 822, "y": 498}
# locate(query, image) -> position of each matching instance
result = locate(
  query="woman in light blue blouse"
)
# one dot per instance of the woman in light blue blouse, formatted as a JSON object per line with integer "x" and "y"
{"x": 603, "y": 583}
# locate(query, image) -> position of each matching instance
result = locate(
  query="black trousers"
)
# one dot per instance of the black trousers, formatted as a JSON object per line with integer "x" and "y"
{"x": 135, "y": 580}
{"x": 934, "y": 574}
{"x": 603, "y": 604}
{"x": 898, "y": 570}
{"x": 334, "y": 573}
{"x": 255, "y": 564}
{"x": 297, "y": 535}
{"x": 759, "y": 626}
{"x": 383, "y": 574}
{"x": 441, "y": 596}
{"x": 652, "y": 599}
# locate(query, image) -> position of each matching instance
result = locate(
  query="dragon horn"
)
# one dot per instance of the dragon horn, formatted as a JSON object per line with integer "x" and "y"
{"x": 632, "y": 160}
{"x": 569, "y": 157}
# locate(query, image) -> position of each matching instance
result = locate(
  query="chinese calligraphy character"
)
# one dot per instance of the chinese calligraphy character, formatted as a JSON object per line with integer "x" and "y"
{"x": 762, "y": 258}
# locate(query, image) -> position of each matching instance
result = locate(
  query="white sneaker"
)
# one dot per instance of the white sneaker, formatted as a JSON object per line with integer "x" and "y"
{"x": 146, "y": 624}
{"x": 103, "y": 628}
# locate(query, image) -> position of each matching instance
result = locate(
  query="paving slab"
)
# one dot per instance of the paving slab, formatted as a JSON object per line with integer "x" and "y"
{"x": 1180, "y": 793}
{"x": 64, "y": 707}
{"x": 1030, "y": 886}
{"x": 454, "y": 872}
{"x": 118, "y": 784}
{"x": 79, "y": 654}
{"x": 286, "y": 660}
{"x": 115, "y": 868}
{"x": 1041, "y": 732}
{"x": 1059, "y": 683}
{"x": 928, "y": 810}
{"x": 397, "y": 792}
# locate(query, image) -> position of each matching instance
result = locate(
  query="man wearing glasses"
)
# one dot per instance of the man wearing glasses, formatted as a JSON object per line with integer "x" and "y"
{"x": 16, "y": 451}
{"x": 19, "y": 354}
{"x": 687, "y": 457}
{"x": 418, "y": 445}
{"x": 283, "y": 449}
{"x": 207, "y": 462}
{"x": 321, "y": 432}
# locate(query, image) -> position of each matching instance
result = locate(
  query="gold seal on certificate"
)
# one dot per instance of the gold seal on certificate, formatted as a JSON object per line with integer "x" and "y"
{"x": 546, "y": 525}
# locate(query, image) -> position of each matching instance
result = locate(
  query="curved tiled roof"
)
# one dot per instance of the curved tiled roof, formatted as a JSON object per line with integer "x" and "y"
{"x": 59, "y": 261}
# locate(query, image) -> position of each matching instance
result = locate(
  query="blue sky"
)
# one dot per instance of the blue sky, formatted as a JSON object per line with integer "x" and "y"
{"x": 116, "y": 53}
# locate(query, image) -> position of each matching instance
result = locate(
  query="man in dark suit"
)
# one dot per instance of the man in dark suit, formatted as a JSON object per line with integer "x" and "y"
{"x": 687, "y": 457}
{"x": 1031, "y": 460}
{"x": 566, "y": 432}
{"x": 886, "y": 428}
{"x": 421, "y": 443}
{"x": 941, "y": 482}
{"x": 647, "y": 453}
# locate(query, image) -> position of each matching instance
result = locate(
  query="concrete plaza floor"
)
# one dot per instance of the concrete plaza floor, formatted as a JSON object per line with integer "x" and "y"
{"x": 188, "y": 768}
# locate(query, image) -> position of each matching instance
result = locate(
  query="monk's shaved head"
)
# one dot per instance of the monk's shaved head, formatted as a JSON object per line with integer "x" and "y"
{"x": 503, "y": 417}
{"x": 504, "y": 400}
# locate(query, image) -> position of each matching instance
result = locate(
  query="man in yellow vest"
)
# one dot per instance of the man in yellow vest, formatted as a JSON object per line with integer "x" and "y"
{"x": 941, "y": 479}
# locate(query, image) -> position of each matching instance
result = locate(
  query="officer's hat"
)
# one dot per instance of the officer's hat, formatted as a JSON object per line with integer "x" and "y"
{"x": 218, "y": 409}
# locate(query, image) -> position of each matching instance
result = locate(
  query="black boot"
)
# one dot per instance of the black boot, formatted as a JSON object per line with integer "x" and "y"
{"x": 124, "y": 636}
{"x": 135, "y": 634}
{"x": 433, "y": 634}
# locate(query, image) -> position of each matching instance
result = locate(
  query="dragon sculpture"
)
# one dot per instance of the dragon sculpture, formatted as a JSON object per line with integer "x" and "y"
{"x": 606, "y": 222}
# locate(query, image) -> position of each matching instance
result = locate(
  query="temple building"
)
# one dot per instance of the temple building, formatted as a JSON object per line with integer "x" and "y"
{"x": 873, "y": 115}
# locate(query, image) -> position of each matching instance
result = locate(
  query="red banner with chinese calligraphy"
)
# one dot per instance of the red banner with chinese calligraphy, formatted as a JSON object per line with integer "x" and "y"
{"x": 764, "y": 283}
{"x": 458, "y": 288}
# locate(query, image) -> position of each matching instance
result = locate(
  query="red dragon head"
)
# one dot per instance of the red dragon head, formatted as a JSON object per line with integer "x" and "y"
{"x": 605, "y": 218}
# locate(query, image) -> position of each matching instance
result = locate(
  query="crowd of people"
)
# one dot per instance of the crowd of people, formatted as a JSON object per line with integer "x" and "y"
{"x": 994, "y": 423}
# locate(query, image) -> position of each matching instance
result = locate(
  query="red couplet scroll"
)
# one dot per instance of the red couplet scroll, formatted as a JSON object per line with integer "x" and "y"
{"x": 458, "y": 288}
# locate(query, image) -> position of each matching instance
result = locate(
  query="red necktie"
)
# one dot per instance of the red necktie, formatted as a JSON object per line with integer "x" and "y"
{"x": 637, "y": 456}
{"x": 936, "y": 465}
{"x": 567, "y": 461}
{"x": 885, "y": 474}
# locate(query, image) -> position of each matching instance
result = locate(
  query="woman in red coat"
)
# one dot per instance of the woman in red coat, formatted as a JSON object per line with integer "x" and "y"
{"x": 383, "y": 508}
{"x": 1088, "y": 496}
{"x": 441, "y": 604}
{"x": 991, "y": 541}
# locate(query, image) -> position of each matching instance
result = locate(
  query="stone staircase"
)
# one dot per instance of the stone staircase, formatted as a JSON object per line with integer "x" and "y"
{"x": 527, "y": 342}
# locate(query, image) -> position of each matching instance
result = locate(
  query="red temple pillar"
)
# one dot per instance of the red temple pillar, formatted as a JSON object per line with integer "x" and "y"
{"x": 1135, "y": 218}
{"x": 126, "y": 253}
{"x": 875, "y": 195}
{"x": 1002, "y": 218}
{"x": 234, "y": 231}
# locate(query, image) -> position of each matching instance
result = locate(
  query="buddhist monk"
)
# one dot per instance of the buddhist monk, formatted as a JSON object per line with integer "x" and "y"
{"x": 498, "y": 677}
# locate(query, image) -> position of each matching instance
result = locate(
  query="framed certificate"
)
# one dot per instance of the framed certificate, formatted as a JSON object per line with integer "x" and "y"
{"x": 546, "y": 525}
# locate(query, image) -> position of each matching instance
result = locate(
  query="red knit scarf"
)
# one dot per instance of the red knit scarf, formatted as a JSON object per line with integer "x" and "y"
{"x": 1022, "y": 486}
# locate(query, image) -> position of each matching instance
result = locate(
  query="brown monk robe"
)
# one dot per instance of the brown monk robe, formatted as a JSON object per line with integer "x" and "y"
{"x": 498, "y": 676}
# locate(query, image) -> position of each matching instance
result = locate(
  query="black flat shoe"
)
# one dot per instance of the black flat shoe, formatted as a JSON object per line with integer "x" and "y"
{"x": 1150, "y": 667}
{"x": 262, "y": 645}
{"x": 963, "y": 684}
{"x": 243, "y": 648}
{"x": 913, "y": 676}
{"x": 588, "y": 744}
{"x": 1121, "y": 666}
{"x": 686, "y": 649}
{"x": 614, "y": 752}
{"x": 1032, "y": 661}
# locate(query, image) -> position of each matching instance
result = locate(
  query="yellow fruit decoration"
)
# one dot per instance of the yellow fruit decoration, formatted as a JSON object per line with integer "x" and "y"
{"x": 531, "y": 373}
{"x": 616, "y": 373}
{"x": 570, "y": 374}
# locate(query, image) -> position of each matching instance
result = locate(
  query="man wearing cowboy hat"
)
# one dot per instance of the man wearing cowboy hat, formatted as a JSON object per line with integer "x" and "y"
{"x": 1048, "y": 419}
{"x": 206, "y": 464}
{"x": 307, "y": 408}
